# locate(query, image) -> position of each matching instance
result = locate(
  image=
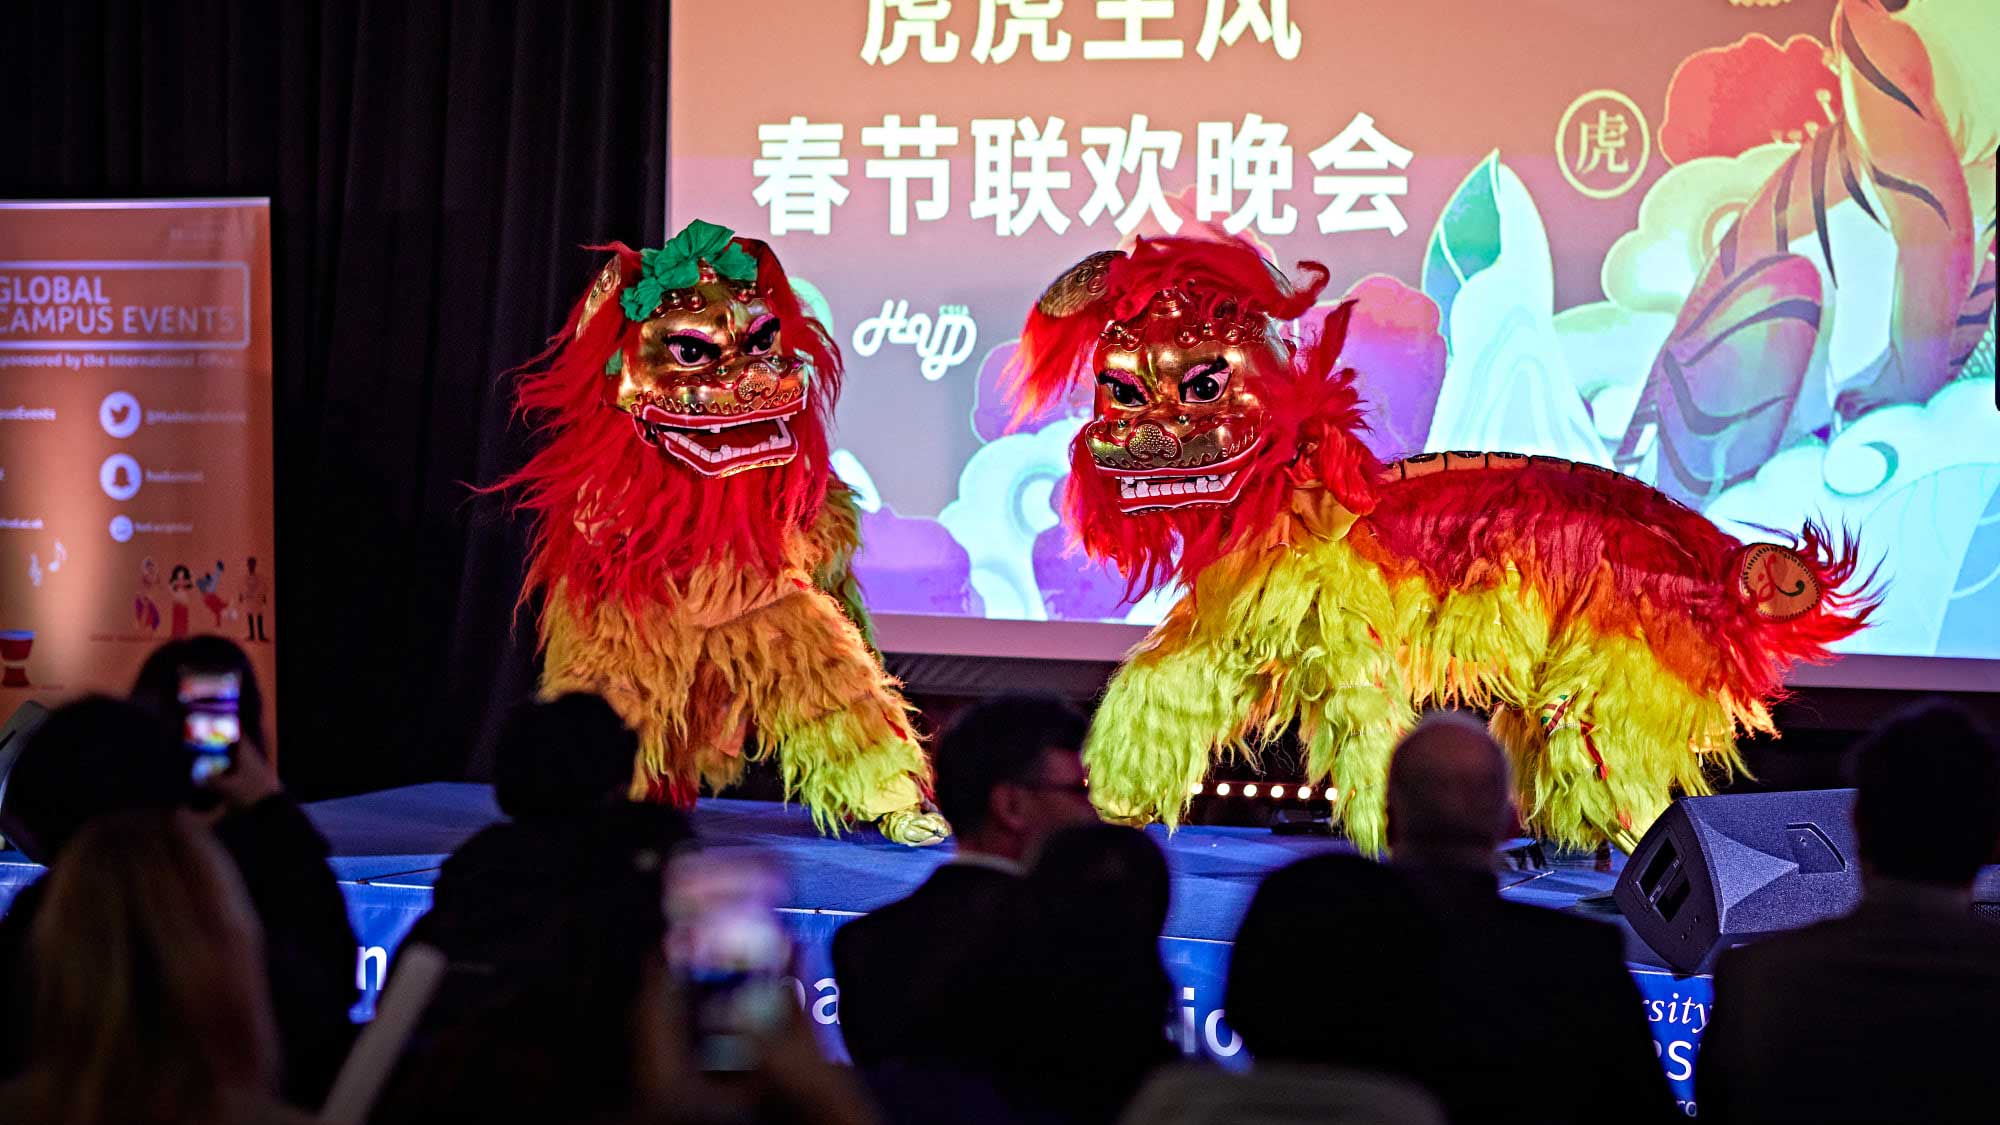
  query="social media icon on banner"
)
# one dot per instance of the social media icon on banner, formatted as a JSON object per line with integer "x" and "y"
{"x": 120, "y": 476}
{"x": 121, "y": 529}
{"x": 119, "y": 414}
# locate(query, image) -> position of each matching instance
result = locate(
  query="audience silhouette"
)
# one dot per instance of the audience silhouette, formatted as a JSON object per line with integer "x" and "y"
{"x": 149, "y": 994}
{"x": 1336, "y": 964}
{"x": 1886, "y": 1014}
{"x": 1521, "y": 987}
{"x": 1084, "y": 967}
{"x": 917, "y": 977}
{"x": 187, "y": 957}
{"x": 98, "y": 756}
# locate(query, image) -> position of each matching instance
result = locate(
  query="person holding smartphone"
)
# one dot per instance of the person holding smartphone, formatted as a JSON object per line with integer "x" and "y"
{"x": 100, "y": 756}
{"x": 720, "y": 1034}
{"x": 669, "y": 999}
{"x": 211, "y": 725}
{"x": 204, "y": 693}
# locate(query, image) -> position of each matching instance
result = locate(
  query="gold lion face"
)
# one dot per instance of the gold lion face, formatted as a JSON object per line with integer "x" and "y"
{"x": 1177, "y": 416}
{"x": 708, "y": 382}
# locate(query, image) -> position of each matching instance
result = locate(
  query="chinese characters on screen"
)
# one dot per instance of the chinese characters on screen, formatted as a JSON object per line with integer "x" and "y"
{"x": 1022, "y": 168}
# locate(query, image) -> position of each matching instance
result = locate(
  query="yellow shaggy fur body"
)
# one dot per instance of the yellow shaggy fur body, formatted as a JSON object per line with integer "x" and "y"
{"x": 1299, "y": 628}
{"x": 734, "y": 665}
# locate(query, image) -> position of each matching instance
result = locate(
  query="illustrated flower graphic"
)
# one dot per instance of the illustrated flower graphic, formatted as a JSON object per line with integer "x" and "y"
{"x": 993, "y": 398}
{"x": 1397, "y": 351}
{"x": 1723, "y": 101}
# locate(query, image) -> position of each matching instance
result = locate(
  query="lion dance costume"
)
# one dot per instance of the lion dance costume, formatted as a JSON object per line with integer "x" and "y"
{"x": 1618, "y": 639}
{"x": 692, "y": 547}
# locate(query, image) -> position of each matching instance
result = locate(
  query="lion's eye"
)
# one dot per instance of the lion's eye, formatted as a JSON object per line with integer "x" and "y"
{"x": 692, "y": 351}
{"x": 1205, "y": 383}
{"x": 763, "y": 336}
{"x": 1122, "y": 392}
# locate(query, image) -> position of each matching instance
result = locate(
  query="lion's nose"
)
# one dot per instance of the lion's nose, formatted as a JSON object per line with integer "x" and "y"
{"x": 755, "y": 384}
{"x": 1150, "y": 442}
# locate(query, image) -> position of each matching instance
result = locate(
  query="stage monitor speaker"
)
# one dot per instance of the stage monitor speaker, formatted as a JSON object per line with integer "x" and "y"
{"x": 1986, "y": 895}
{"x": 1719, "y": 871}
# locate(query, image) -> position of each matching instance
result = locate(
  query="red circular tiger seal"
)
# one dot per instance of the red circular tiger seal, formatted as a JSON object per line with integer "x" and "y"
{"x": 1776, "y": 581}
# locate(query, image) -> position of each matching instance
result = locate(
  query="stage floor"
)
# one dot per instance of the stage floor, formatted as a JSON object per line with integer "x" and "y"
{"x": 400, "y": 837}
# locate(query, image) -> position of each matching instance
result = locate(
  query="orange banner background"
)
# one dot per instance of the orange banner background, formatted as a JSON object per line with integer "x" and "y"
{"x": 135, "y": 438}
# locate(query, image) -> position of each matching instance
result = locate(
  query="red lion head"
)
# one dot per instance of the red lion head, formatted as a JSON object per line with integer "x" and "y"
{"x": 1214, "y": 403}
{"x": 685, "y": 404}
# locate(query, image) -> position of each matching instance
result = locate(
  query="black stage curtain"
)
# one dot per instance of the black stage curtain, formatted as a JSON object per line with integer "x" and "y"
{"x": 434, "y": 169}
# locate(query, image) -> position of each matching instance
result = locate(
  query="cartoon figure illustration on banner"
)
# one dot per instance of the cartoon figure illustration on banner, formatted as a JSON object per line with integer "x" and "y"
{"x": 1618, "y": 639}
{"x": 251, "y": 600}
{"x": 692, "y": 547}
{"x": 210, "y": 585}
{"x": 1912, "y": 145}
{"x": 146, "y": 602}
{"x": 180, "y": 586}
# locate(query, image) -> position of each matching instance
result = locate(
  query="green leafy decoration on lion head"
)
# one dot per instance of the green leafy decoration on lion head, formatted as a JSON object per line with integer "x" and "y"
{"x": 677, "y": 265}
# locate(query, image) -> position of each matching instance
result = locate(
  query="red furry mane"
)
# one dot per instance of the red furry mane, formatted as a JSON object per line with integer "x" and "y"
{"x": 1314, "y": 411}
{"x": 654, "y": 521}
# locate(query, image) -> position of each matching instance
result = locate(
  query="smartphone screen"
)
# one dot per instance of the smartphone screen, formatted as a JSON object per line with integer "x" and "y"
{"x": 211, "y": 725}
{"x": 725, "y": 944}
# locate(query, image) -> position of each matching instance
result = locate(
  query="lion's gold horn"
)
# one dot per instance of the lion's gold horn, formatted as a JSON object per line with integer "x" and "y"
{"x": 601, "y": 290}
{"x": 1079, "y": 286}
